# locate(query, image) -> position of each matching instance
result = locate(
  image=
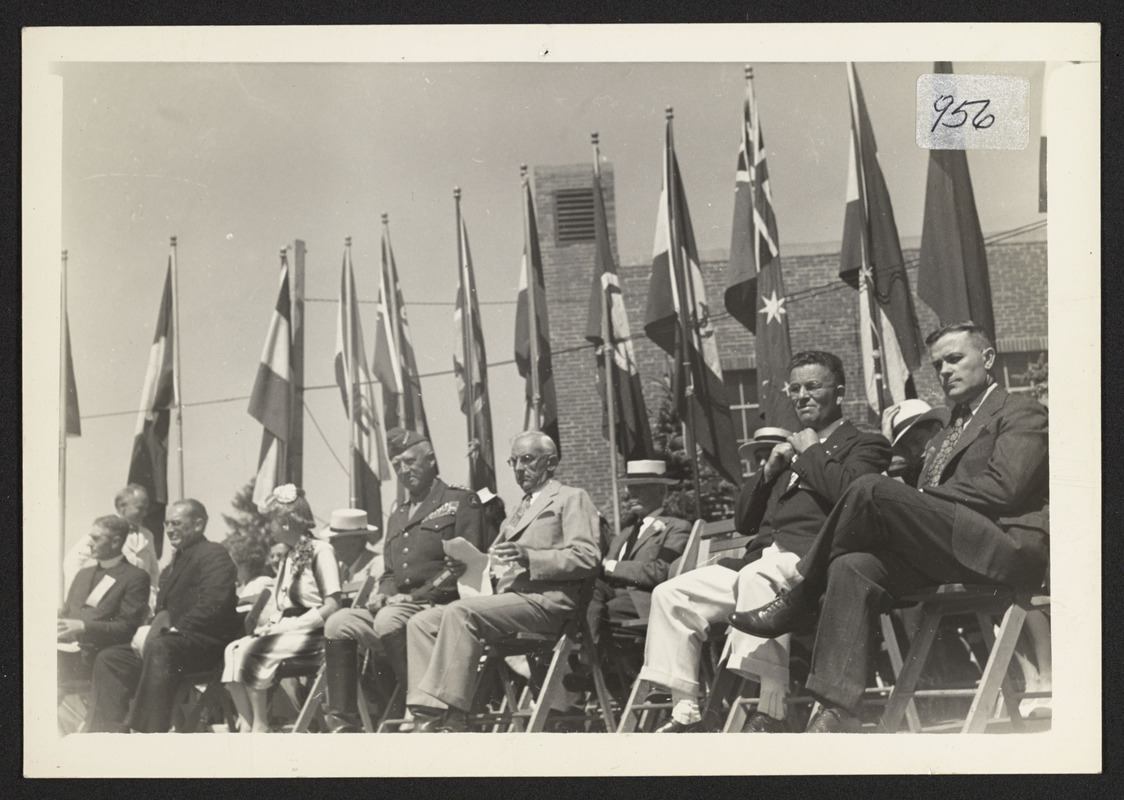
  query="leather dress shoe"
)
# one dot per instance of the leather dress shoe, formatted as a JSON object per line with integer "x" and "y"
{"x": 763, "y": 723}
{"x": 785, "y": 614}
{"x": 454, "y": 721}
{"x": 675, "y": 726}
{"x": 835, "y": 720}
{"x": 428, "y": 723}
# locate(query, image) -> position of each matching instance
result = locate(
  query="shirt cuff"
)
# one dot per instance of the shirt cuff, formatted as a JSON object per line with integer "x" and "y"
{"x": 610, "y": 565}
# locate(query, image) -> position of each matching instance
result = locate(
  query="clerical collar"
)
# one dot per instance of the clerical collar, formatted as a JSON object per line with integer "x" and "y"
{"x": 110, "y": 563}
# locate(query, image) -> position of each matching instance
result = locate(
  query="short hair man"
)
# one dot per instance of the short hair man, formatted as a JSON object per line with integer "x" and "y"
{"x": 785, "y": 506}
{"x": 415, "y": 573}
{"x": 979, "y": 514}
{"x": 106, "y": 603}
{"x": 545, "y": 547}
{"x": 195, "y": 619}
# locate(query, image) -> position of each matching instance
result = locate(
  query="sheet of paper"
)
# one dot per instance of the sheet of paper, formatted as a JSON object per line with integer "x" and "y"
{"x": 476, "y": 580}
{"x": 99, "y": 591}
{"x": 69, "y": 647}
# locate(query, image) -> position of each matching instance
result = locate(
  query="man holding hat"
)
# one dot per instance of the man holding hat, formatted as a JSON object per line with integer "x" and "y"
{"x": 785, "y": 506}
{"x": 909, "y": 426}
{"x": 416, "y": 574}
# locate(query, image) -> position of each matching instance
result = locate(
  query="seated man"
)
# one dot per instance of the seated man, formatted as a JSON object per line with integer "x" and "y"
{"x": 980, "y": 514}
{"x": 195, "y": 619}
{"x": 544, "y": 550}
{"x": 106, "y": 603}
{"x": 784, "y": 506}
{"x": 415, "y": 576}
{"x": 140, "y": 546}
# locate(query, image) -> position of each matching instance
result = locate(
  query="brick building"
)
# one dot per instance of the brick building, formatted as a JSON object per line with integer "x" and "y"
{"x": 823, "y": 315}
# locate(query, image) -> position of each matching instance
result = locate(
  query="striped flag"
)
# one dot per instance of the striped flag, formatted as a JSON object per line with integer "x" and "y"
{"x": 634, "y": 435}
{"x": 470, "y": 365}
{"x": 149, "y": 463}
{"x": 871, "y": 258}
{"x": 368, "y": 454}
{"x": 953, "y": 278}
{"x": 73, "y": 418}
{"x": 545, "y": 418}
{"x": 677, "y": 288}
{"x": 395, "y": 365}
{"x": 271, "y": 398}
{"x": 756, "y": 284}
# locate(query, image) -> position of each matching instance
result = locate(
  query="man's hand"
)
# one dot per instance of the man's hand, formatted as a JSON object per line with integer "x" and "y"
{"x": 511, "y": 552}
{"x": 456, "y": 567}
{"x": 778, "y": 461}
{"x": 70, "y": 628}
{"x": 395, "y": 599}
{"x": 375, "y": 602}
{"x": 803, "y": 439}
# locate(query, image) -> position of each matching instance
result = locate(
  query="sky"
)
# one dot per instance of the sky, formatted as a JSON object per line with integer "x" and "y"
{"x": 239, "y": 159}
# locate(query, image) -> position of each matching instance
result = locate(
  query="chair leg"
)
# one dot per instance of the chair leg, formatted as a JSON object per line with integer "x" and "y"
{"x": 736, "y": 719}
{"x": 311, "y": 704}
{"x": 391, "y": 704}
{"x": 640, "y": 688}
{"x": 906, "y": 682}
{"x": 1009, "y": 692}
{"x": 364, "y": 711}
{"x": 894, "y": 651}
{"x": 604, "y": 699}
{"x": 552, "y": 685}
{"x": 995, "y": 673}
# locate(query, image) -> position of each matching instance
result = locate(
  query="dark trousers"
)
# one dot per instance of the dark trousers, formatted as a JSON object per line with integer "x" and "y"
{"x": 608, "y": 603}
{"x": 120, "y": 675}
{"x": 882, "y": 540}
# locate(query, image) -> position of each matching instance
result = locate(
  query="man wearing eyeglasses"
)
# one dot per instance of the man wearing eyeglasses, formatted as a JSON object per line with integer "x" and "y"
{"x": 784, "y": 506}
{"x": 545, "y": 547}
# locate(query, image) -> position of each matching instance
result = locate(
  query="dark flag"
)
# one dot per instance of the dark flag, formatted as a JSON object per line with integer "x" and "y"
{"x": 634, "y": 435}
{"x": 149, "y": 464}
{"x": 953, "y": 277}
{"x": 470, "y": 365}
{"x": 532, "y": 282}
{"x": 271, "y": 398}
{"x": 756, "y": 286}
{"x": 73, "y": 418}
{"x": 676, "y": 288}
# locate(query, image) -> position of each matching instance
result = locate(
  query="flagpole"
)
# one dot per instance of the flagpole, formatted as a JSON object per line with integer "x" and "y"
{"x": 532, "y": 311}
{"x": 866, "y": 274}
{"x": 295, "y": 445}
{"x": 393, "y": 313}
{"x": 686, "y": 310}
{"x": 608, "y": 356}
{"x": 350, "y": 306}
{"x": 176, "y": 388}
{"x": 466, "y": 332}
{"x": 281, "y": 474}
{"x": 63, "y": 345}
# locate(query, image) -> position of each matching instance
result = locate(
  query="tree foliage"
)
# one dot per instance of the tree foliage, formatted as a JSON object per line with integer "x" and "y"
{"x": 247, "y": 536}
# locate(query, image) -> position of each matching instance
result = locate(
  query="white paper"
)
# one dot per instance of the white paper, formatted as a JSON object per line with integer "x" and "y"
{"x": 99, "y": 591}
{"x": 476, "y": 580}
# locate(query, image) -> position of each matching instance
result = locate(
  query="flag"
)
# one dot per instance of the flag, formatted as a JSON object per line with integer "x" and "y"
{"x": 546, "y": 420}
{"x": 470, "y": 365}
{"x": 953, "y": 278}
{"x": 149, "y": 463}
{"x": 368, "y": 454}
{"x": 630, "y": 415}
{"x": 73, "y": 419}
{"x": 756, "y": 284}
{"x": 395, "y": 365}
{"x": 871, "y": 257}
{"x": 271, "y": 398}
{"x": 675, "y": 289}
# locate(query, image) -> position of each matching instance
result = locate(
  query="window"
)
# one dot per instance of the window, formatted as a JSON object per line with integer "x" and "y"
{"x": 741, "y": 386}
{"x": 1016, "y": 371}
{"x": 573, "y": 215}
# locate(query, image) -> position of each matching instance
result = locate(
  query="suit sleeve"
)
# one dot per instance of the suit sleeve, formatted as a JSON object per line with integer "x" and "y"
{"x": 1017, "y": 467}
{"x": 649, "y": 574}
{"x": 131, "y": 612}
{"x": 752, "y": 500}
{"x": 579, "y": 554}
{"x": 830, "y": 475}
{"x": 215, "y": 597}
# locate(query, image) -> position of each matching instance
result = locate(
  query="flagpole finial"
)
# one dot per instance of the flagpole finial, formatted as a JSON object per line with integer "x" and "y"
{"x": 64, "y": 255}
{"x": 594, "y": 137}
{"x": 522, "y": 170}
{"x": 748, "y": 72}
{"x": 669, "y": 112}
{"x": 347, "y": 241}
{"x": 173, "y": 241}
{"x": 385, "y": 218}
{"x": 457, "y": 192}
{"x": 284, "y": 250}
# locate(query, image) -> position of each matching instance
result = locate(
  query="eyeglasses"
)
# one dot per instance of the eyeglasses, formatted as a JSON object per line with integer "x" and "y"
{"x": 173, "y": 523}
{"x": 811, "y": 387}
{"x": 525, "y": 460}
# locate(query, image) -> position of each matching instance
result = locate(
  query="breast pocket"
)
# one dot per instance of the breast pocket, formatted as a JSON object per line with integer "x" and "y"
{"x": 545, "y": 531}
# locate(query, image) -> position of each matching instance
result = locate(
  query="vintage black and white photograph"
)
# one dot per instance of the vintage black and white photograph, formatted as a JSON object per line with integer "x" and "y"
{"x": 532, "y": 390}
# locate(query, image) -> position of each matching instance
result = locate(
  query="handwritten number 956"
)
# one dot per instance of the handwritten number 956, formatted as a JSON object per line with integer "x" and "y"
{"x": 979, "y": 121}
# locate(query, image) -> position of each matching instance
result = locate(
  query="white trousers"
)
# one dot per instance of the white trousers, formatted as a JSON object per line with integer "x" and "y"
{"x": 684, "y": 608}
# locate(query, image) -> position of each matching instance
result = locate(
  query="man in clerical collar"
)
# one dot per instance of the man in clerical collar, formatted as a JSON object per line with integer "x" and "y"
{"x": 979, "y": 514}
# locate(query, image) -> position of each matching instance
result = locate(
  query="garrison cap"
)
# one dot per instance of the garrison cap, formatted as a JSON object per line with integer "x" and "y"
{"x": 399, "y": 440}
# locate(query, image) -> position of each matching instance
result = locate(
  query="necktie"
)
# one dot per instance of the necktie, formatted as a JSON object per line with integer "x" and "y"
{"x": 631, "y": 541}
{"x": 940, "y": 460}
{"x": 521, "y": 509}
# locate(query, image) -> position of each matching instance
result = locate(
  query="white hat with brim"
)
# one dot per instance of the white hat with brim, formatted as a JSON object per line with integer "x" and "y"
{"x": 347, "y": 522}
{"x": 913, "y": 412}
{"x": 648, "y": 471}
{"x": 486, "y": 495}
{"x": 763, "y": 439}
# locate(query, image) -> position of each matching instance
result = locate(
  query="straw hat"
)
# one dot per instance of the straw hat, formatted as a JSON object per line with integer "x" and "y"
{"x": 763, "y": 439}
{"x": 909, "y": 413}
{"x": 648, "y": 471}
{"x": 347, "y": 522}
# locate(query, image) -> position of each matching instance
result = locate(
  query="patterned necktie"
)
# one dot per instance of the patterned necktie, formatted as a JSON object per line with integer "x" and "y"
{"x": 521, "y": 509}
{"x": 940, "y": 460}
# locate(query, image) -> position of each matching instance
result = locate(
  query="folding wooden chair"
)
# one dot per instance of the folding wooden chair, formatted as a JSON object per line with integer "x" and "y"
{"x": 985, "y": 602}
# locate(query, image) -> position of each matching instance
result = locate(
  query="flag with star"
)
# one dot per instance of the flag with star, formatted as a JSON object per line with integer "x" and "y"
{"x": 871, "y": 261}
{"x": 756, "y": 286}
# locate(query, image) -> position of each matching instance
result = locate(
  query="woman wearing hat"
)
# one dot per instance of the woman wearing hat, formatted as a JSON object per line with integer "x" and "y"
{"x": 306, "y": 591}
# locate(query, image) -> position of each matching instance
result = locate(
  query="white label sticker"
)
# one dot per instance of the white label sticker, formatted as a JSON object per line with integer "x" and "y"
{"x": 973, "y": 112}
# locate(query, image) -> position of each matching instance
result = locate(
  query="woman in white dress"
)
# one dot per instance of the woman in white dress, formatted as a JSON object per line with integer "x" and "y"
{"x": 306, "y": 591}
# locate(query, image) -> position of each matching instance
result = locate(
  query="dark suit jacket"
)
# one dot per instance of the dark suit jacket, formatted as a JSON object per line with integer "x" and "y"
{"x": 121, "y": 610}
{"x": 791, "y": 516}
{"x": 647, "y": 564}
{"x": 413, "y": 553}
{"x": 998, "y": 474}
{"x": 560, "y": 531}
{"x": 197, "y": 590}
